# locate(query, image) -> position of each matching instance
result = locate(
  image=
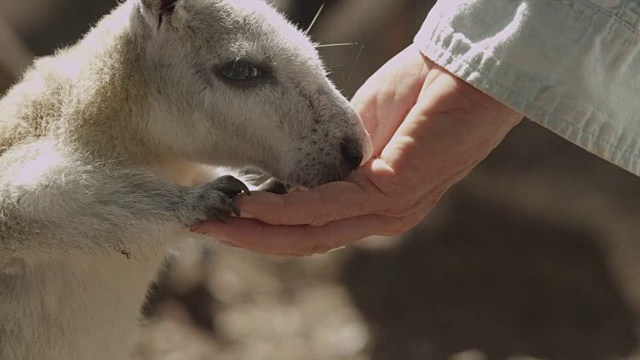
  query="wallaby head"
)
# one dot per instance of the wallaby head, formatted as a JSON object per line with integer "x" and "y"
{"x": 234, "y": 83}
{"x": 90, "y": 136}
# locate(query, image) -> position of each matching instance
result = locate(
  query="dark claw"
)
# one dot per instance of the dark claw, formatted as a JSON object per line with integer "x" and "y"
{"x": 215, "y": 199}
{"x": 277, "y": 188}
{"x": 274, "y": 186}
{"x": 231, "y": 186}
{"x": 244, "y": 188}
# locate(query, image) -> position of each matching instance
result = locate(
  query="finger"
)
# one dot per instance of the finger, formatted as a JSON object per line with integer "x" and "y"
{"x": 304, "y": 240}
{"x": 340, "y": 200}
{"x": 300, "y": 240}
{"x": 388, "y": 96}
{"x": 318, "y": 206}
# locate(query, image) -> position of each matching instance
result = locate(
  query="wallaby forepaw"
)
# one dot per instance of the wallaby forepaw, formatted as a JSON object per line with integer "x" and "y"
{"x": 215, "y": 199}
{"x": 229, "y": 185}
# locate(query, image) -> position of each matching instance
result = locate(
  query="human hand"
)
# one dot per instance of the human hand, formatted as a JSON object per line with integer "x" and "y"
{"x": 429, "y": 130}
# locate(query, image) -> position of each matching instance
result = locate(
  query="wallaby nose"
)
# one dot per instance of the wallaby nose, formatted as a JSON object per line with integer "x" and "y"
{"x": 351, "y": 152}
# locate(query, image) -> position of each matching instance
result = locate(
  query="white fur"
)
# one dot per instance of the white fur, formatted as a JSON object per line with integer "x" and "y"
{"x": 100, "y": 144}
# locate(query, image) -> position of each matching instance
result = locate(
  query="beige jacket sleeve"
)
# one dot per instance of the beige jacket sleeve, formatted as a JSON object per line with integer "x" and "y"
{"x": 571, "y": 65}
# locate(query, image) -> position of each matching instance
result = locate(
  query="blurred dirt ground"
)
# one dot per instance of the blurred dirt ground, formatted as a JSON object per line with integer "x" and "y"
{"x": 533, "y": 255}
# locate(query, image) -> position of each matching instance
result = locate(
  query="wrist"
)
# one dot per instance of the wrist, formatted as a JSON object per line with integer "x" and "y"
{"x": 444, "y": 92}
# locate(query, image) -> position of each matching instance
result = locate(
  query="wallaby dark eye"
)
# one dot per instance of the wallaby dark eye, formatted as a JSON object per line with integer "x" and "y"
{"x": 242, "y": 72}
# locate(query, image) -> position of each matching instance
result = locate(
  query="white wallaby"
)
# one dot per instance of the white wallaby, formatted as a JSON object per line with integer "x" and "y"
{"x": 103, "y": 144}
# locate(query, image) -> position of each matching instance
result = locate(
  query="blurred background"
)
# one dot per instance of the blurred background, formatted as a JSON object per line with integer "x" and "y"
{"x": 534, "y": 255}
